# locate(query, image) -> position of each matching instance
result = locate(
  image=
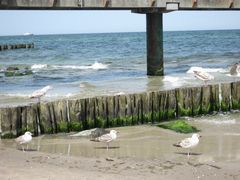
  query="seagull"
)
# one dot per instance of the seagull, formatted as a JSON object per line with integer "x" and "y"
{"x": 189, "y": 143}
{"x": 107, "y": 138}
{"x": 235, "y": 69}
{"x": 202, "y": 75}
{"x": 41, "y": 92}
{"x": 24, "y": 139}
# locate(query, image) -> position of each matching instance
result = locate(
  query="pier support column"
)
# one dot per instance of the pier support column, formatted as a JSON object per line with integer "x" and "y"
{"x": 154, "y": 44}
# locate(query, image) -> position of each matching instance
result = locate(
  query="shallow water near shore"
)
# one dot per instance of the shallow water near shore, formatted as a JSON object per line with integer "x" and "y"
{"x": 219, "y": 142}
{"x": 87, "y": 65}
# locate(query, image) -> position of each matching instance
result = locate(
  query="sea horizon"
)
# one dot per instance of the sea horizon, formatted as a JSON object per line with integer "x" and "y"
{"x": 83, "y": 33}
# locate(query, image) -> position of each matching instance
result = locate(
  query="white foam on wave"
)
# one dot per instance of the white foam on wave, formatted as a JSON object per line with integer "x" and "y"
{"x": 21, "y": 95}
{"x": 38, "y": 66}
{"x": 119, "y": 93}
{"x": 209, "y": 70}
{"x": 170, "y": 79}
{"x": 95, "y": 66}
{"x": 238, "y": 75}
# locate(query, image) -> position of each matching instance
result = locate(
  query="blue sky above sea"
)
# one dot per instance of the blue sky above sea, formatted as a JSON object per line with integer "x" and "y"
{"x": 75, "y": 22}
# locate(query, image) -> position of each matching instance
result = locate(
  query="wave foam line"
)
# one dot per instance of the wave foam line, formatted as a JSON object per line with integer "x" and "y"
{"x": 209, "y": 70}
{"x": 95, "y": 66}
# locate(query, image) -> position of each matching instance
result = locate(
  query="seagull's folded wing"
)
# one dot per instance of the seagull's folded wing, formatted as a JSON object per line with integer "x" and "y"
{"x": 105, "y": 138}
{"x": 20, "y": 139}
{"x": 185, "y": 143}
{"x": 36, "y": 94}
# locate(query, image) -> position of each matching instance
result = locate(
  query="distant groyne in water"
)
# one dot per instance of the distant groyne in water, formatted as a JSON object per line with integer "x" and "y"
{"x": 16, "y": 46}
{"x": 120, "y": 110}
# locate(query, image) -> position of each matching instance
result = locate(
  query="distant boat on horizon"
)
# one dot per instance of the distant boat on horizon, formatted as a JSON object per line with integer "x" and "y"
{"x": 28, "y": 34}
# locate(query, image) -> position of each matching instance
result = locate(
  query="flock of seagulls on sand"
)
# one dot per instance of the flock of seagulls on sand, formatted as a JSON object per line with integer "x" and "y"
{"x": 188, "y": 143}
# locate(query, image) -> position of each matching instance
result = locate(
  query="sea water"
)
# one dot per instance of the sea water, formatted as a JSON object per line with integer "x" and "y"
{"x": 86, "y": 65}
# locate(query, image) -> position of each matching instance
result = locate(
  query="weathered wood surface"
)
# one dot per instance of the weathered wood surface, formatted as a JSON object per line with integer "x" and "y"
{"x": 16, "y": 46}
{"x": 119, "y": 4}
{"x": 120, "y": 110}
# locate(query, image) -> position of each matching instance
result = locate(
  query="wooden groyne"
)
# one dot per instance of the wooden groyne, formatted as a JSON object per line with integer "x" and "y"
{"x": 120, "y": 110}
{"x": 16, "y": 46}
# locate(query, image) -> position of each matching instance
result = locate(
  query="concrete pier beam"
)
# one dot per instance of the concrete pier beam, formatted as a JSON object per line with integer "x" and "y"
{"x": 154, "y": 44}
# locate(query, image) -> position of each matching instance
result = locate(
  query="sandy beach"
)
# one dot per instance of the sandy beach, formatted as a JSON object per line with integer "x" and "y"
{"x": 36, "y": 165}
{"x": 140, "y": 152}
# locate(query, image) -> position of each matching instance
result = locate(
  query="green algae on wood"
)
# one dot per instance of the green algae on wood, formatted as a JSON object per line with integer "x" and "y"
{"x": 226, "y": 97}
{"x": 235, "y": 95}
{"x": 196, "y": 100}
{"x": 215, "y": 102}
{"x": 180, "y": 126}
{"x": 206, "y": 100}
{"x": 184, "y": 99}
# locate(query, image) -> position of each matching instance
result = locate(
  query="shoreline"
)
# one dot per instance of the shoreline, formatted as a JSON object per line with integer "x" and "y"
{"x": 170, "y": 163}
{"x": 119, "y": 110}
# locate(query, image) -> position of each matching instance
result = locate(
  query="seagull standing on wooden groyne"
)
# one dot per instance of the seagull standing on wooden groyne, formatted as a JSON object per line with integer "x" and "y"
{"x": 204, "y": 76}
{"x": 24, "y": 139}
{"x": 235, "y": 69}
{"x": 39, "y": 93}
{"x": 189, "y": 143}
{"x": 107, "y": 138}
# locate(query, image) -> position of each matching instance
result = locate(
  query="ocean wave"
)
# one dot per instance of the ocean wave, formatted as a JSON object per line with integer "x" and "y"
{"x": 209, "y": 70}
{"x": 38, "y": 66}
{"x": 238, "y": 75}
{"x": 95, "y": 66}
{"x": 86, "y": 85}
{"x": 170, "y": 79}
{"x": 22, "y": 95}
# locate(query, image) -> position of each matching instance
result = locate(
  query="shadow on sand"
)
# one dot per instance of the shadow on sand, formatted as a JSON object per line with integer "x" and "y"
{"x": 104, "y": 147}
{"x": 191, "y": 154}
{"x": 29, "y": 149}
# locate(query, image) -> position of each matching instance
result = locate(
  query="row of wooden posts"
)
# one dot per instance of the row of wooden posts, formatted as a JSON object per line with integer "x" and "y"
{"x": 121, "y": 110}
{"x": 16, "y": 46}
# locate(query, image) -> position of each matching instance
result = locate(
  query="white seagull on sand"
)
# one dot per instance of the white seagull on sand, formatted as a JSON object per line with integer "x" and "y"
{"x": 24, "y": 139}
{"x": 107, "y": 138}
{"x": 41, "y": 92}
{"x": 204, "y": 76}
{"x": 189, "y": 143}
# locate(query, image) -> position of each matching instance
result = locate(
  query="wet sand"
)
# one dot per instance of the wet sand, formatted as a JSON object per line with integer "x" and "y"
{"x": 140, "y": 152}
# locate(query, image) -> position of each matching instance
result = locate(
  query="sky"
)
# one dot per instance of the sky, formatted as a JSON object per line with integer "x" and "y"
{"x": 68, "y": 22}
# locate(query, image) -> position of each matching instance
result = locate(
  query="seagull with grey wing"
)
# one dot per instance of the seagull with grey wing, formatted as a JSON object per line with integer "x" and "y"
{"x": 107, "y": 138}
{"x": 235, "y": 69}
{"x": 189, "y": 143}
{"x": 41, "y": 92}
{"x": 24, "y": 139}
{"x": 204, "y": 76}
